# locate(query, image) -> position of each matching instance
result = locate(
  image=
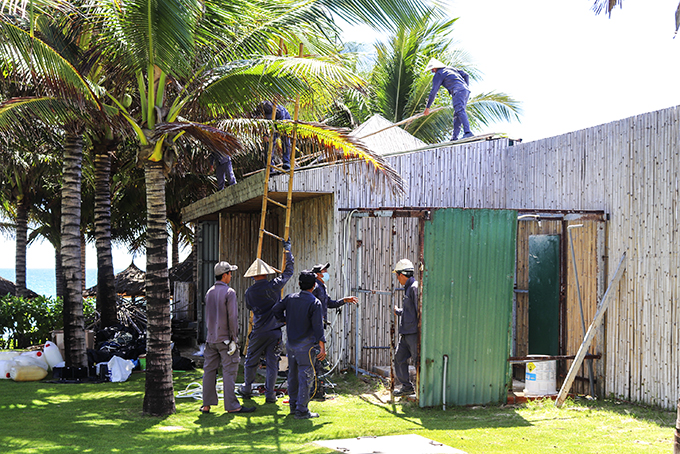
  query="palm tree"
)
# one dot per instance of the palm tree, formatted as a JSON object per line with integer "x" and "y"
{"x": 400, "y": 85}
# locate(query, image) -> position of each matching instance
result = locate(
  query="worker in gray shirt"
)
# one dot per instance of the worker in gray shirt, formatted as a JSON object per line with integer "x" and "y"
{"x": 456, "y": 81}
{"x": 408, "y": 326}
{"x": 221, "y": 322}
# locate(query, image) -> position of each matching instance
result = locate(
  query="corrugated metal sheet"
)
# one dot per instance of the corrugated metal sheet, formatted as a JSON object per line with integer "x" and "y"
{"x": 467, "y": 294}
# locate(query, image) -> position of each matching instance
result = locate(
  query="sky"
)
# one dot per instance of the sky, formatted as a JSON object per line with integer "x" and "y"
{"x": 569, "y": 68}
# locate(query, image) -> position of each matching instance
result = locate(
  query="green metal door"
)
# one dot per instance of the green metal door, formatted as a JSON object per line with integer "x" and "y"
{"x": 467, "y": 294}
{"x": 544, "y": 294}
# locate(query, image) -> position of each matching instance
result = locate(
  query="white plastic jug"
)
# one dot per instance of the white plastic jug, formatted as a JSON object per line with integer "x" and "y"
{"x": 27, "y": 373}
{"x": 52, "y": 354}
{"x": 8, "y": 355}
{"x": 36, "y": 358}
{"x": 5, "y": 366}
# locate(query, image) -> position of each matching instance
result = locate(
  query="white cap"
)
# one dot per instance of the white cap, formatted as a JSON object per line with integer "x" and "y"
{"x": 259, "y": 268}
{"x": 433, "y": 64}
{"x": 403, "y": 265}
{"x": 224, "y": 267}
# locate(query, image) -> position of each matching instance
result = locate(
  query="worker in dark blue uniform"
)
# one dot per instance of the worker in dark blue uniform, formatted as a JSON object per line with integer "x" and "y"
{"x": 408, "y": 326}
{"x": 265, "y": 337}
{"x": 224, "y": 170}
{"x": 321, "y": 293}
{"x": 456, "y": 81}
{"x": 302, "y": 313}
{"x": 264, "y": 110}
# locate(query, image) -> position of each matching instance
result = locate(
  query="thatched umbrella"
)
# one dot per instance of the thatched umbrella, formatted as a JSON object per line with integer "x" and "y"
{"x": 9, "y": 287}
{"x": 129, "y": 283}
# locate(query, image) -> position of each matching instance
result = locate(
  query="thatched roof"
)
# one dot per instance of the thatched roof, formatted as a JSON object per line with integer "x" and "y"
{"x": 9, "y": 287}
{"x": 389, "y": 140}
{"x": 129, "y": 282}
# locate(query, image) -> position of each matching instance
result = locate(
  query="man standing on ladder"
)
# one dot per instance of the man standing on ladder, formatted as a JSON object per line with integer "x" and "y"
{"x": 456, "y": 81}
{"x": 265, "y": 337}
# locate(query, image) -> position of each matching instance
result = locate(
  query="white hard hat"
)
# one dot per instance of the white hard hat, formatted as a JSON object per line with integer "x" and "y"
{"x": 403, "y": 265}
{"x": 434, "y": 63}
{"x": 259, "y": 268}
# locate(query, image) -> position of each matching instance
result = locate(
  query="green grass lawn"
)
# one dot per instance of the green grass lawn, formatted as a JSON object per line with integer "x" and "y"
{"x": 40, "y": 417}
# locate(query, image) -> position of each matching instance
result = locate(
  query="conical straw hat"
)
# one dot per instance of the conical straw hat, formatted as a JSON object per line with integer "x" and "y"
{"x": 258, "y": 268}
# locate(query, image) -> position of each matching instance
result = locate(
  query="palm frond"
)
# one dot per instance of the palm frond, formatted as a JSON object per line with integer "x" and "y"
{"x": 605, "y": 6}
{"x": 32, "y": 61}
{"x": 213, "y": 138}
{"x": 381, "y": 14}
{"x": 21, "y": 112}
{"x": 491, "y": 107}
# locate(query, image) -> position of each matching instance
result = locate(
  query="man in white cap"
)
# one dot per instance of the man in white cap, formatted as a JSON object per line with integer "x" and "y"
{"x": 221, "y": 321}
{"x": 456, "y": 81}
{"x": 265, "y": 337}
{"x": 408, "y": 326}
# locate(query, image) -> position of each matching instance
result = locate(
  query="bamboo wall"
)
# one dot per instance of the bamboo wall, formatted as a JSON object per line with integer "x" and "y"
{"x": 627, "y": 168}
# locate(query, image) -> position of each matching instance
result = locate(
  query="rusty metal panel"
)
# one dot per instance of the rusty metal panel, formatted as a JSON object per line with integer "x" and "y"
{"x": 467, "y": 295}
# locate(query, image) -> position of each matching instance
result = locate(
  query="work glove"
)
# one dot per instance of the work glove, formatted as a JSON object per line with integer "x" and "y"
{"x": 232, "y": 347}
{"x": 286, "y": 245}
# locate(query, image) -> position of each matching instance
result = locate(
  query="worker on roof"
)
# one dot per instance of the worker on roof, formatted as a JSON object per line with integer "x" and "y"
{"x": 264, "y": 110}
{"x": 456, "y": 81}
{"x": 408, "y": 326}
{"x": 224, "y": 171}
{"x": 265, "y": 338}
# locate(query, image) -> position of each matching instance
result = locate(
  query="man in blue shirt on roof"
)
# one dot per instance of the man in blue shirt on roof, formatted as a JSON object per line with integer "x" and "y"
{"x": 265, "y": 337}
{"x": 264, "y": 110}
{"x": 302, "y": 314}
{"x": 456, "y": 81}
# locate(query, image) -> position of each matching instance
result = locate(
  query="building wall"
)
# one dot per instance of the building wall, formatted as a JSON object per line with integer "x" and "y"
{"x": 627, "y": 168}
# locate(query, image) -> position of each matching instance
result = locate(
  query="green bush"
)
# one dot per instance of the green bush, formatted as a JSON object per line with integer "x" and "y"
{"x": 25, "y": 322}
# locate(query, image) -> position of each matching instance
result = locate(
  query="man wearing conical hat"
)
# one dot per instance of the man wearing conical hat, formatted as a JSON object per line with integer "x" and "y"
{"x": 265, "y": 338}
{"x": 456, "y": 81}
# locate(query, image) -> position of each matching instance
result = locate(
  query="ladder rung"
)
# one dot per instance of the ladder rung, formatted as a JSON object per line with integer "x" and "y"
{"x": 277, "y": 203}
{"x": 272, "y": 235}
{"x": 277, "y": 168}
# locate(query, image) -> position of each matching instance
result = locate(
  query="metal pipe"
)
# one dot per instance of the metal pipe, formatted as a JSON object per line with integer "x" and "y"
{"x": 580, "y": 303}
{"x": 357, "y": 350}
{"x": 446, "y": 363}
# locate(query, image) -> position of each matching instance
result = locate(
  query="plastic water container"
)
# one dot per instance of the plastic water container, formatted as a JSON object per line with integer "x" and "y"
{"x": 8, "y": 355}
{"x": 36, "y": 358}
{"x": 52, "y": 354}
{"x": 27, "y": 373}
{"x": 539, "y": 379}
{"x": 5, "y": 366}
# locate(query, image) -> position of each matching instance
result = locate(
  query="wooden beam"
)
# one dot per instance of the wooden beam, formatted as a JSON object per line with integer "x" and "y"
{"x": 590, "y": 335}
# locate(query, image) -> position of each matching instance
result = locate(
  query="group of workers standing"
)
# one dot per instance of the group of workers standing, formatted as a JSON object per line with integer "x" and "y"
{"x": 455, "y": 80}
{"x": 305, "y": 316}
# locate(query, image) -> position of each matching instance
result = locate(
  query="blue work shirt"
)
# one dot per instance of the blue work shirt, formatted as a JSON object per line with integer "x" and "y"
{"x": 302, "y": 314}
{"x": 451, "y": 78}
{"x": 326, "y": 301}
{"x": 264, "y": 294}
{"x": 409, "y": 308}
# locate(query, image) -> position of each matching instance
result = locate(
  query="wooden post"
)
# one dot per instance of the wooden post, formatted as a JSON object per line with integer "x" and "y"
{"x": 583, "y": 349}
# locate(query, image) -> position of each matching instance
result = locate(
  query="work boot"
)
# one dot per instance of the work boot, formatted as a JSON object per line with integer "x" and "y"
{"x": 404, "y": 391}
{"x": 270, "y": 400}
{"x": 243, "y": 392}
{"x": 307, "y": 415}
{"x": 467, "y": 135}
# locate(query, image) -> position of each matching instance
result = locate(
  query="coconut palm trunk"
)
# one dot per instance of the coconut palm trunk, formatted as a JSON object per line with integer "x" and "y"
{"x": 106, "y": 288}
{"x": 74, "y": 323}
{"x": 21, "y": 240}
{"x": 159, "y": 394}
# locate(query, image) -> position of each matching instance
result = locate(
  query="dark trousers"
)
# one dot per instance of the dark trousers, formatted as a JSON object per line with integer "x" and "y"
{"x": 459, "y": 101}
{"x": 300, "y": 373}
{"x": 407, "y": 348}
{"x": 225, "y": 171}
{"x": 269, "y": 344}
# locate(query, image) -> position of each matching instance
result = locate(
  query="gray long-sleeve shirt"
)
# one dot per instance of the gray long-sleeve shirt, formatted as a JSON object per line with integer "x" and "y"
{"x": 264, "y": 294}
{"x": 221, "y": 313}
{"x": 409, "y": 308}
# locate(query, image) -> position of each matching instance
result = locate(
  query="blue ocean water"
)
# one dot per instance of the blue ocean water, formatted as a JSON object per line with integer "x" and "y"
{"x": 42, "y": 280}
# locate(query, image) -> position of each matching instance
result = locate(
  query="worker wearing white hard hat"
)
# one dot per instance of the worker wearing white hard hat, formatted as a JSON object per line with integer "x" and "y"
{"x": 456, "y": 81}
{"x": 408, "y": 326}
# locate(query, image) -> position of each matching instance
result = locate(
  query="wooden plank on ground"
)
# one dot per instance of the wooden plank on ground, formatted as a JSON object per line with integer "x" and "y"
{"x": 590, "y": 334}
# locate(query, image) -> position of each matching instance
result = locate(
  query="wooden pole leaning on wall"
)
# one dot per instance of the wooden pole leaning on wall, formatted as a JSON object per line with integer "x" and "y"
{"x": 590, "y": 335}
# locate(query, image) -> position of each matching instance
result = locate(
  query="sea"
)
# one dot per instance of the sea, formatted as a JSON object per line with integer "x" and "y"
{"x": 43, "y": 281}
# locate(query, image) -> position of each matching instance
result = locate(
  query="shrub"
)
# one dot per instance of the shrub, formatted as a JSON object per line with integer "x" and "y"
{"x": 25, "y": 322}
